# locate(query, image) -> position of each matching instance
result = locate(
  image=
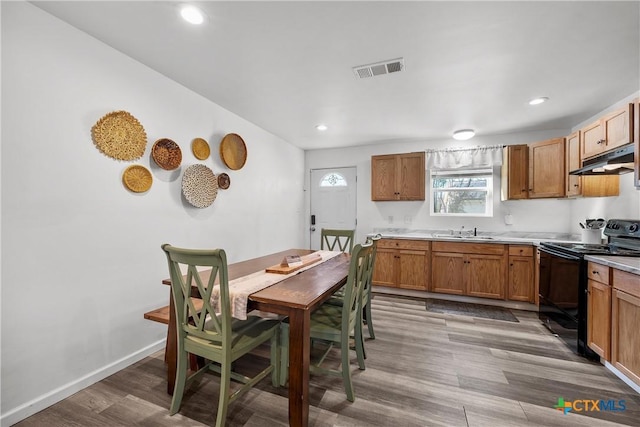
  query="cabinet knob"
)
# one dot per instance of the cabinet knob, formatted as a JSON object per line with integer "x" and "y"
{"x": 576, "y": 185}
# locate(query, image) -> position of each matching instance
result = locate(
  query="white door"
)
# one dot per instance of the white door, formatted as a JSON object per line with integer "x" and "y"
{"x": 333, "y": 201}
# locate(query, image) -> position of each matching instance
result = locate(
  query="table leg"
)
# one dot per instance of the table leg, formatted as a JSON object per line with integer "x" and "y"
{"x": 299, "y": 352}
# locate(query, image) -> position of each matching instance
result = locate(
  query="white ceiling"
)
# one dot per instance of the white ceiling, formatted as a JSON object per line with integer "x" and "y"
{"x": 287, "y": 66}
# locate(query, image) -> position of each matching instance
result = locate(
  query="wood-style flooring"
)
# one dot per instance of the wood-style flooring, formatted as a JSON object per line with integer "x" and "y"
{"x": 423, "y": 369}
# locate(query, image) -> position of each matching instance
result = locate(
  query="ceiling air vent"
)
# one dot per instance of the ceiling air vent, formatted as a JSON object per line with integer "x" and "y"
{"x": 379, "y": 68}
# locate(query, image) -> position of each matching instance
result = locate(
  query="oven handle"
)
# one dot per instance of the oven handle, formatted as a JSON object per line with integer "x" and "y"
{"x": 558, "y": 253}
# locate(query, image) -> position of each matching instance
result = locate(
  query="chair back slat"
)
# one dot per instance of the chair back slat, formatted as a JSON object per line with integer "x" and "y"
{"x": 358, "y": 275}
{"x": 206, "y": 323}
{"x": 366, "y": 290}
{"x": 334, "y": 239}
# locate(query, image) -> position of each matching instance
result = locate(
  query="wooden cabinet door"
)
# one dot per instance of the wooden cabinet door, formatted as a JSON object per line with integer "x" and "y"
{"x": 609, "y": 132}
{"x": 599, "y": 318}
{"x": 486, "y": 275}
{"x": 520, "y": 283}
{"x": 447, "y": 273}
{"x": 413, "y": 270}
{"x": 398, "y": 177}
{"x": 385, "y": 269}
{"x": 625, "y": 335}
{"x": 592, "y": 142}
{"x": 547, "y": 168}
{"x": 515, "y": 172}
{"x": 384, "y": 176}
{"x": 573, "y": 162}
{"x": 412, "y": 176}
{"x": 618, "y": 127}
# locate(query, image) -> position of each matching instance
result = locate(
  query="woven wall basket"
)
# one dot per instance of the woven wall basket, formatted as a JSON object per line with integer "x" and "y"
{"x": 137, "y": 178}
{"x": 120, "y": 136}
{"x": 200, "y": 148}
{"x": 167, "y": 154}
{"x": 199, "y": 185}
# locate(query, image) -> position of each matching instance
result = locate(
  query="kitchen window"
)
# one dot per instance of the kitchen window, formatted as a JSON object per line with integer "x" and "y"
{"x": 461, "y": 192}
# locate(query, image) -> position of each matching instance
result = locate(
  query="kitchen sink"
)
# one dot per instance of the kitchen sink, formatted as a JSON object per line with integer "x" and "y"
{"x": 461, "y": 236}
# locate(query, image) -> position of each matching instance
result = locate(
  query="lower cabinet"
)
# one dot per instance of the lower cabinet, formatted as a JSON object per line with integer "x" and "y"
{"x": 613, "y": 317}
{"x": 625, "y": 319}
{"x": 402, "y": 264}
{"x": 473, "y": 269}
{"x": 447, "y": 272}
{"x": 520, "y": 286}
{"x": 486, "y": 270}
{"x": 599, "y": 310}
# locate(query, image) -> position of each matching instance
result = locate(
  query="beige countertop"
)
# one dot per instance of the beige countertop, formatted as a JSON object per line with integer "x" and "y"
{"x": 505, "y": 237}
{"x": 624, "y": 263}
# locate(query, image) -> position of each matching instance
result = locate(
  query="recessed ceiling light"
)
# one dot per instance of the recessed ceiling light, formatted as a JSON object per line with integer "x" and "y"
{"x": 464, "y": 134}
{"x": 192, "y": 14}
{"x": 536, "y": 101}
{"x": 322, "y": 127}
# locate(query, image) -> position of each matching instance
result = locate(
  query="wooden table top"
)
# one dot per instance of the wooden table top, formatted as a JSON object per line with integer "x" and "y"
{"x": 305, "y": 290}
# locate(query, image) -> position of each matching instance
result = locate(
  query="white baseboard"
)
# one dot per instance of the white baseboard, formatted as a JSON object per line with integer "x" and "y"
{"x": 55, "y": 396}
{"x": 622, "y": 376}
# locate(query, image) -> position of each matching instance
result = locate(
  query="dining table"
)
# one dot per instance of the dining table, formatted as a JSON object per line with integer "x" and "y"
{"x": 296, "y": 297}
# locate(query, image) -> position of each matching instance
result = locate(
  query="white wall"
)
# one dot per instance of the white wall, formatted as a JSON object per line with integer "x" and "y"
{"x": 541, "y": 215}
{"x": 81, "y": 257}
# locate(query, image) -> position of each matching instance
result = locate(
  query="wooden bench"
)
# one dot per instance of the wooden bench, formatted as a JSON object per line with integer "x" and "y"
{"x": 161, "y": 314}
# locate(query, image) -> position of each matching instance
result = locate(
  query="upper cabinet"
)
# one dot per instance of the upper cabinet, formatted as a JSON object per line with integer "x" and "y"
{"x": 398, "y": 177}
{"x": 573, "y": 162}
{"x": 608, "y": 132}
{"x": 515, "y": 172}
{"x": 589, "y": 185}
{"x": 547, "y": 169}
{"x": 534, "y": 171}
{"x": 541, "y": 170}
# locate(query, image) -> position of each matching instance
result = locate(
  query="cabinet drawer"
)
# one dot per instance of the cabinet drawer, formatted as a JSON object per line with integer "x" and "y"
{"x": 520, "y": 250}
{"x": 626, "y": 282}
{"x": 598, "y": 272}
{"x": 422, "y": 245}
{"x": 468, "y": 248}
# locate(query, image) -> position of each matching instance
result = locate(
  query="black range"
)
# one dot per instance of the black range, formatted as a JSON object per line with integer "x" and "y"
{"x": 563, "y": 280}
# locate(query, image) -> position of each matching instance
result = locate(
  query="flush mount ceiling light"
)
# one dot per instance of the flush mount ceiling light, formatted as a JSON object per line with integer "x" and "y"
{"x": 322, "y": 127}
{"x": 540, "y": 100}
{"x": 191, "y": 14}
{"x": 464, "y": 134}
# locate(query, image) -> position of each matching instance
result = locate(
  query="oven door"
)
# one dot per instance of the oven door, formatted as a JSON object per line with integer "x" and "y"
{"x": 562, "y": 280}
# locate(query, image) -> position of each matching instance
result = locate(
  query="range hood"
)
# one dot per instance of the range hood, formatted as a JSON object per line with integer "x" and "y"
{"x": 615, "y": 162}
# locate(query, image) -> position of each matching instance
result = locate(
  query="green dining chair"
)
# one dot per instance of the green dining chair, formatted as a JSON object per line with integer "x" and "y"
{"x": 216, "y": 337}
{"x": 335, "y": 324}
{"x": 337, "y": 240}
{"x": 365, "y": 311}
{"x": 367, "y": 291}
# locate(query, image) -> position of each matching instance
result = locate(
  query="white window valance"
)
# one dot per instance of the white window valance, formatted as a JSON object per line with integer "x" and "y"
{"x": 464, "y": 158}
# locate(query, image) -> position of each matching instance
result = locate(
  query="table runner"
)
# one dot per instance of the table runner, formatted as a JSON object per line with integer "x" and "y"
{"x": 242, "y": 287}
